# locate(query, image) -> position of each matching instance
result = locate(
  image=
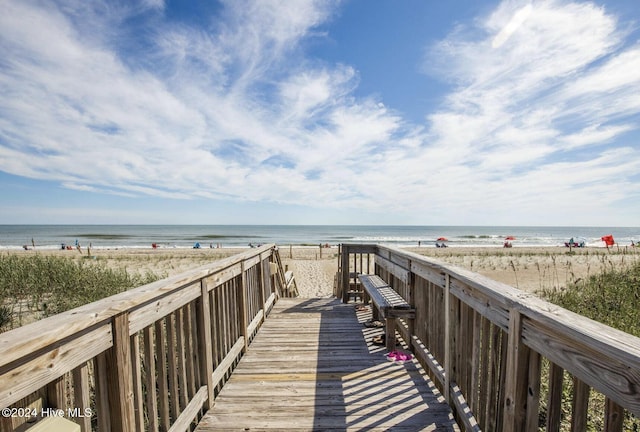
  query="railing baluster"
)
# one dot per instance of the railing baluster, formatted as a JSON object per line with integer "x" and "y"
{"x": 516, "y": 384}
{"x": 137, "y": 381}
{"x": 163, "y": 389}
{"x": 613, "y": 416}
{"x": 580, "y": 405}
{"x": 533, "y": 391}
{"x": 120, "y": 376}
{"x": 150, "y": 379}
{"x": 242, "y": 303}
{"x": 81, "y": 396}
{"x": 205, "y": 342}
{"x": 102, "y": 394}
{"x": 554, "y": 401}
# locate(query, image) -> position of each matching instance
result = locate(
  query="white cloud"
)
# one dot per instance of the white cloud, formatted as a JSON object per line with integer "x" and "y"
{"x": 236, "y": 111}
{"x": 512, "y": 26}
{"x": 519, "y": 109}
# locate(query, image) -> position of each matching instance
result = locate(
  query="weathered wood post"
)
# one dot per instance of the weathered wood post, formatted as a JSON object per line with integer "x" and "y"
{"x": 56, "y": 393}
{"x": 242, "y": 299}
{"x": 261, "y": 294}
{"x": 81, "y": 397}
{"x": 516, "y": 380}
{"x": 205, "y": 354}
{"x": 554, "y": 401}
{"x": 613, "y": 416}
{"x": 448, "y": 343}
{"x": 120, "y": 376}
{"x": 579, "y": 405}
{"x": 412, "y": 302}
{"x": 345, "y": 273}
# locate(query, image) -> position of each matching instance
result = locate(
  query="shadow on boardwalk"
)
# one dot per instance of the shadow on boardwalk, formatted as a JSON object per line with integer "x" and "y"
{"x": 312, "y": 367}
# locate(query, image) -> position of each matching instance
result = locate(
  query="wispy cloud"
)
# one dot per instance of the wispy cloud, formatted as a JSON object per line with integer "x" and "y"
{"x": 542, "y": 96}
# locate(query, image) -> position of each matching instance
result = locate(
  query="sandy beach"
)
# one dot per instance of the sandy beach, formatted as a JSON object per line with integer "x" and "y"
{"x": 529, "y": 269}
{"x": 534, "y": 269}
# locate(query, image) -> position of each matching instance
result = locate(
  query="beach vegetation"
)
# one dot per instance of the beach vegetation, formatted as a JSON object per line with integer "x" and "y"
{"x": 611, "y": 297}
{"x": 37, "y": 286}
{"x": 5, "y": 317}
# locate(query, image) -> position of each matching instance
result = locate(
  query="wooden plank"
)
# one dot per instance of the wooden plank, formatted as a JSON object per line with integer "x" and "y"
{"x": 613, "y": 416}
{"x": 150, "y": 380}
{"x": 359, "y": 248}
{"x": 102, "y": 395}
{"x": 344, "y": 282}
{"x": 136, "y": 371}
{"x": 465, "y": 415}
{"x": 190, "y": 412}
{"x": 172, "y": 367}
{"x": 493, "y": 379}
{"x": 148, "y": 314}
{"x": 554, "y": 399}
{"x": 255, "y": 323}
{"x": 579, "y": 405}
{"x": 449, "y": 343}
{"x": 384, "y": 297}
{"x": 56, "y": 392}
{"x": 182, "y": 365}
{"x": 190, "y": 324}
{"x": 203, "y": 316}
{"x": 428, "y": 272}
{"x": 243, "y": 310}
{"x": 476, "y": 366}
{"x": 81, "y": 396}
{"x": 606, "y": 372}
{"x": 533, "y": 392}
{"x": 163, "y": 390}
{"x": 26, "y": 340}
{"x": 225, "y": 365}
{"x": 290, "y": 379}
{"x": 489, "y": 307}
{"x": 516, "y": 377}
{"x": 49, "y": 364}
{"x": 402, "y": 273}
{"x": 120, "y": 377}
{"x": 484, "y": 377}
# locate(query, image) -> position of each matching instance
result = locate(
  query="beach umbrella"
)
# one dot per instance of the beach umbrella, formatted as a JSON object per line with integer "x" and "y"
{"x": 442, "y": 239}
{"x": 510, "y": 238}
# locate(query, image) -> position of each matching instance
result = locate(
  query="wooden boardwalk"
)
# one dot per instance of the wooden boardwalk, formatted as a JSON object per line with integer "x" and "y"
{"x": 312, "y": 367}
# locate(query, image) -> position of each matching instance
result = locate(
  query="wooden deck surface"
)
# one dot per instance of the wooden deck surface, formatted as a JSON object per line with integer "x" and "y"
{"x": 312, "y": 367}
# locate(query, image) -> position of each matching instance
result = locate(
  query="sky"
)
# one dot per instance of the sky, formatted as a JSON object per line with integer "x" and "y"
{"x": 320, "y": 112}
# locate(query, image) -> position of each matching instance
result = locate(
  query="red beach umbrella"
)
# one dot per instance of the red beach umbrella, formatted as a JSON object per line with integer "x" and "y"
{"x": 510, "y": 238}
{"x": 442, "y": 239}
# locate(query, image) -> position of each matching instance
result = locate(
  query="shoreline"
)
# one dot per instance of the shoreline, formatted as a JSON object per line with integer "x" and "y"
{"x": 412, "y": 247}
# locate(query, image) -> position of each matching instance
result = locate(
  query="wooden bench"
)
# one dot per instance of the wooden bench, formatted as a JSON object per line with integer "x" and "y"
{"x": 387, "y": 304}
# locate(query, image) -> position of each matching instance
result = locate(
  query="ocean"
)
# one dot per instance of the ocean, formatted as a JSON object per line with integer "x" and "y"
{"x": 186, "y": 236}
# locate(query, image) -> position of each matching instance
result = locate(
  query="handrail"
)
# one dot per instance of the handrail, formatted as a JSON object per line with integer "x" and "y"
{"x": 151, "y": 358}
{"x": 483, "y": 342}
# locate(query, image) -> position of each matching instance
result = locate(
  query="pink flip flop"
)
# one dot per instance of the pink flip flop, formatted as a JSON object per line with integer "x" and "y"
{"x": 392, "y": 355}
{"x": 398, "y": 356}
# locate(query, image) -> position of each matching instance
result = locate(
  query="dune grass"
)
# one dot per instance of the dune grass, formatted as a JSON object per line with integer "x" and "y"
{"x": 611, "y": 297}
{"x": 37, "y": 286}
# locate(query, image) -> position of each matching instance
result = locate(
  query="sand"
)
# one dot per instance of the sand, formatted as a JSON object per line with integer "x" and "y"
{"x": 536, "y": 269}
{"x": 529, "y": 269}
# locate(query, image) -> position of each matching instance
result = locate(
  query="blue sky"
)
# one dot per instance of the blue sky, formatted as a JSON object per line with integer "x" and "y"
{"x": 320, "y": 112}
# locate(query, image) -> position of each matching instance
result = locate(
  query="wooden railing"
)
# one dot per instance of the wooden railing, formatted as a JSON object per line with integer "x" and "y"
{"x": 500, "y": 356}
{"x": 152, "y": 358}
